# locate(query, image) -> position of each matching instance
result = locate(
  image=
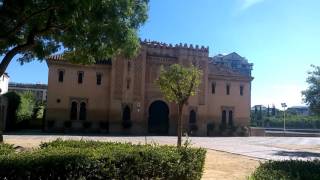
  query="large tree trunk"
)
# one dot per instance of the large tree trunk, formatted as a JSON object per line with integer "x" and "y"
{"x": 8, "y": 57}
{"x": 179, "y": 128}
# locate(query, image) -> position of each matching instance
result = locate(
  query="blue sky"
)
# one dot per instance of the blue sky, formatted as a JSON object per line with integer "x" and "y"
{"x": 281, "y": 38}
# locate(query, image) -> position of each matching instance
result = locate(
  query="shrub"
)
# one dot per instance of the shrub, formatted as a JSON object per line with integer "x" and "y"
{"x": 51, "y": 124}
{"x": 87, "y": 124}
{"x": 210, "y": 129}
{"x": 243, "y": 131}
{"x": 104, "y": 125}
{"x": 289, "y": 169}
{"x": 126, "y": 124}
{"x": 67, "y": 124}
{"x": 193, "y": 128}
{"x": 6, "y": 149}
{"x": 103, "y": 160}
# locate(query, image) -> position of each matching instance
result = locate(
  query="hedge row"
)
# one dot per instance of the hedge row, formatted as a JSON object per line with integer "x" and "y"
{"x": 288, "y": 170}
{"x": 6, "y": 149}
{"x": 98, "y": 160}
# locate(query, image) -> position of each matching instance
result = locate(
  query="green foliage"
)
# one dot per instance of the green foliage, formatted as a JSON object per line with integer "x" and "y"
{"x": 287, "y": 170}
{"x": 178, "y": 83}
{"x": 6, "y": 149}
{"x": 293, "y": 121}
{"x": 26, "y": 107}
{"x": 103, "y": 160}
{"x": 312, "y": 95}
{"x": 38, "y": 111}
{"x": 88, "y": 30}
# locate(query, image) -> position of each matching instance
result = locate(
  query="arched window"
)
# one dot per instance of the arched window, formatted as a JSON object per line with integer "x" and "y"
{"x": 224, "y": 117}
{"x": 192, "y": 117}
{"x": 126, "y": 114}
{"x": 73, "y": 110}
{"x": 129, "y": 66}
{"x": 80, "y": 77}
{"x": 213, "y": 88}
{"x": 230, "y": 120}
{"x": 228, "y": 89}
{"x": 99, "y": 78}
{"x": 61, "y": 74}
{"x": 241, "y": 90}
{"x": 83, "y": 111}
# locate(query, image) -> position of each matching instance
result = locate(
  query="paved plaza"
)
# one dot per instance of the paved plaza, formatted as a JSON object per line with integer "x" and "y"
{"x": 264, "y": 148}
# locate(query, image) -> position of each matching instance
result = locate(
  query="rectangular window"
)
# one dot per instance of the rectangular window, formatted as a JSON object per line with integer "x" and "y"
{"x": 80, "y": 77}
{"x": 228, "y": 89}
{"x": 213, "y": 88}
{"x": 129, "y": 66}
{"x": 99, "y": 78}
{"x": 241, "y": 90}
{"x": 128, "y": 84}
{"x": 60, "y": 74}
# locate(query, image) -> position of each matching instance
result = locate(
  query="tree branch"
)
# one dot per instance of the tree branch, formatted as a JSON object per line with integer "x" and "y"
{"x": 14, "y": 51}
{"x": 23, "y": 22}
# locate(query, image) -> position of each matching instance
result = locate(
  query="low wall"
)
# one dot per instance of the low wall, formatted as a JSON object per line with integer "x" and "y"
{"x": 255, "y": 131}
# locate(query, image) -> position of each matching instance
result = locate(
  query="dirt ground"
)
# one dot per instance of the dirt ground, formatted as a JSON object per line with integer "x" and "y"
{"x": 218, "y": 165}
{"x": 227, "y": 166}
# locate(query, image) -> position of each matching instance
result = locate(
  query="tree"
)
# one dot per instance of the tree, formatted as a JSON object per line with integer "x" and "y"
{"x": 89, "y": 30}
{"x": 26, "y": 107}
{"x": 311, "y": 96}
{"x": 178, "y": 83}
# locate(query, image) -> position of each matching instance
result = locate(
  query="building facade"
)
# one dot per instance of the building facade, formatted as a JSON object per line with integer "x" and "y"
{"x": 38, "y": 90}
{"x": 120, "y": 95}
{"x": 4, "y": 81}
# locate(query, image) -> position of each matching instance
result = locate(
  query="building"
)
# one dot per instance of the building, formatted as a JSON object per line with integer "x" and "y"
{"x": 4, "y": 81}
{"x": 39, "y": 90}
{"x": 121, "y": 96}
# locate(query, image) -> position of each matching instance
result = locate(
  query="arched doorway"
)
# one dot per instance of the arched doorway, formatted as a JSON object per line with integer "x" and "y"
{"x": 158, "y": 121}
{"x": 126, "y": 117}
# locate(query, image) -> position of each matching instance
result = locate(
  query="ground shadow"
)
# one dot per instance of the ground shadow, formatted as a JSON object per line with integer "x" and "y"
{"x": 302, "y": 154}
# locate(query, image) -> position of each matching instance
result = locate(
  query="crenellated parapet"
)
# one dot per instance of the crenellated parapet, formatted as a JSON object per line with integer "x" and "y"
{"x": 173, "y": 50}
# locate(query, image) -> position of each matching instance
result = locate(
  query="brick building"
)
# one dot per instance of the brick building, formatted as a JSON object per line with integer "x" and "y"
{"x": 120, "y": 94}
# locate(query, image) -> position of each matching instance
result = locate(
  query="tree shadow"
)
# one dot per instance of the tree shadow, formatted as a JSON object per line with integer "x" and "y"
{"x": 301, "y": 154}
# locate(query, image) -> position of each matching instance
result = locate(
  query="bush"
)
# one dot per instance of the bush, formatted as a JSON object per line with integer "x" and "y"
{"x": 87, "y": 124}
{"x": 126, "y": 124}
{"x": 6, "y": 149}
{"x": 104, "y": 125}
{"x": 67, "y": 124}
{"x": 103, "y": 160}
{"x": 290, "y": 169}
{"x": 25, "y": 110}
{"x": 51, "y": 124}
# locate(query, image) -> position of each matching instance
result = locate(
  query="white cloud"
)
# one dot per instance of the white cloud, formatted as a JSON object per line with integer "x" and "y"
{"x": 246, "y": 4}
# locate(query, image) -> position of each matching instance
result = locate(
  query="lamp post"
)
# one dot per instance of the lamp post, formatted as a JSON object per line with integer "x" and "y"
{"x": 284, "y": 105}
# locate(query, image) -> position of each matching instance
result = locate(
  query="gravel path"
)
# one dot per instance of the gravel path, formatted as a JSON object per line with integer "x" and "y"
{"x": 265, "y": 148}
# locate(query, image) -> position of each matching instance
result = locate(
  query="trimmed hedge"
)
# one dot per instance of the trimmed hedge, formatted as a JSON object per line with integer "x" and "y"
{"x": 287, "y": 170}
{"x": 103, "y": 160}
{"x": 6, "y": 149}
